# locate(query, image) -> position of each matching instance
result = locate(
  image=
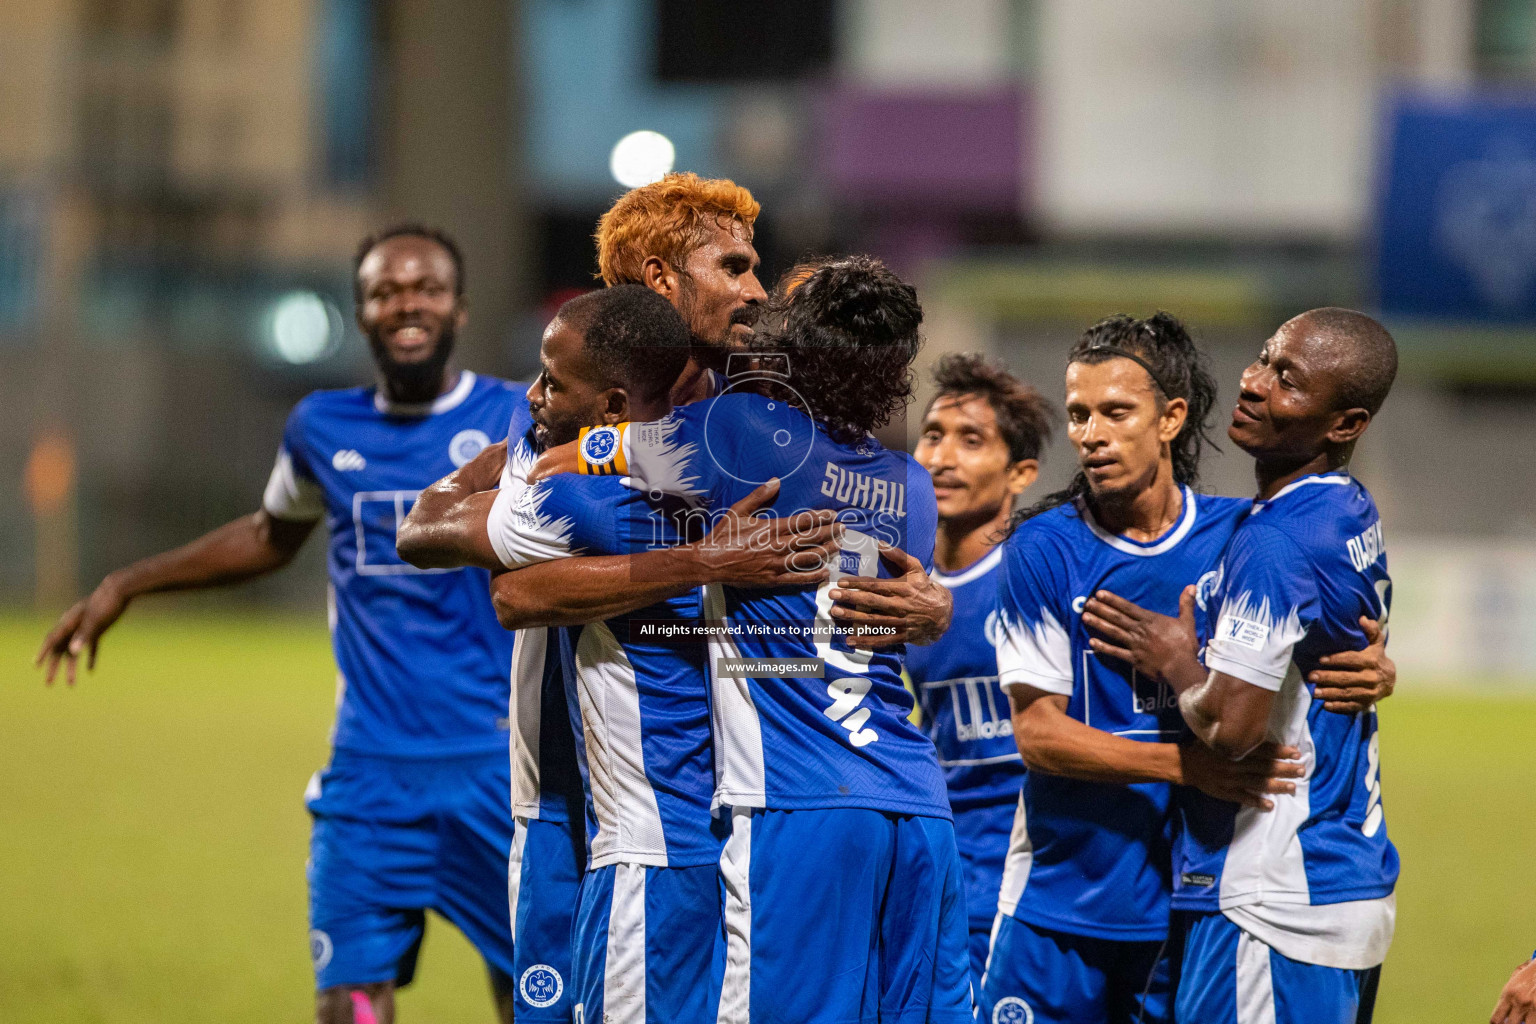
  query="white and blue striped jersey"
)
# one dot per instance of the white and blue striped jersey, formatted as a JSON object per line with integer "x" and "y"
{"x": 546, "y": 774}
{"x": 965, "y": 709}
{"x": 1093, "y": 858}
{"x": 1313, "y": 878}
{"x": 840, "y": 740}
{"x": 644, "y": 736}
{"x": 423, "y": 663}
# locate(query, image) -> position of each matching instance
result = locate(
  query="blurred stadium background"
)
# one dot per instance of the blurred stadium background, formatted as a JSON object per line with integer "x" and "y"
{"x": 182, "y": 183}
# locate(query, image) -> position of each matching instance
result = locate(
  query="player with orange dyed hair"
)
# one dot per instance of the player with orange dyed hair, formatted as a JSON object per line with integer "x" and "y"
{"x": 690, "y": 240}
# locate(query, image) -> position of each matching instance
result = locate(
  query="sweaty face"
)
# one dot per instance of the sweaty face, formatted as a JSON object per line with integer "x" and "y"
{"x": 967, "y": 457}
{"x": 1285, "y": 402}
{"x": 568, "y": 394}
{"x": 409, "y": 311}
{"x": 1115, "y": 425}
{"x": 719, "y": 294}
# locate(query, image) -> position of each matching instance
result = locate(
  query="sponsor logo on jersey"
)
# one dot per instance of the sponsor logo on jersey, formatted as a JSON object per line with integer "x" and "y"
{"x": 466, "y": 444}
{"x": 864, "y": 491}
{"x": 541, "y": 986}
{"x": 1243, "y": 632}
{"x": 1366, "y": 548}
{"x": 320, "y": 948}
{"x": 1012, "y": 1010}
{"x": 1202, "y": 881}
{"x": 348, "y": 460}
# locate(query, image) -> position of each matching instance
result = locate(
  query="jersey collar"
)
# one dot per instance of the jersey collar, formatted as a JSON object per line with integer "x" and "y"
{"x": 1164, "y": 543}
{"x": 1336, "y": 476}
{"x": 450, "y": 399}
{"x": 980, "y": 567}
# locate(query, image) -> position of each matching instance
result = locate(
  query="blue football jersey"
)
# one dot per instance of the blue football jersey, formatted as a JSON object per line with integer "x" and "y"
{"x": 965, "y": 710}
{"x": 423, "y": 662}
{"x": 643, "y": 697}
{"x": 1093, "y": 858}
{"x": 1299, "y": 573}
{"x": 842, "y": 740}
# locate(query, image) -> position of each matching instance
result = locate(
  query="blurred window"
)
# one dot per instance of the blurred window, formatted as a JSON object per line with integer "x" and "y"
{"x": 711, "y": 41}
{"x": 1506, "y": 38}
{"x": 20, "y": 260}
{"x": 346, "y": 68}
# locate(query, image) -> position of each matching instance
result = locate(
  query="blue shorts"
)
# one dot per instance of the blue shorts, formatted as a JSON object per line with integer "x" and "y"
{"x": 544, "y": 879}
{"x": 843, "y": 915}
{"x": 1039, "y": 976}
{"x": 647, "y": 945}
{"x": 1230, "y": 977}
{"x": 394, "y": 838}
{"x": 981, "y": 836}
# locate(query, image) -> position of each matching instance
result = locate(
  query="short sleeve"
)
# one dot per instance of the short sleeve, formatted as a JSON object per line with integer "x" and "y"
{"x": 293, "y": 493}
{"x": 1033, "y": 646}
{"x": 1270, "y": 600}
{"x": 530, "y": 524}
{"x": 567, "y": 515}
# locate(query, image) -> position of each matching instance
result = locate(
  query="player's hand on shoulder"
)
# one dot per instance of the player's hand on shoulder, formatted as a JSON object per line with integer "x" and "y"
{"x": 908, "y": 608}
{"x": 744, "y": 549}
{"x": 483, "y": 472}
{"x": 1517, "y": 1002}
{"x": 79, "y": 630}
{"x": 1151, "y": 642}
{"x": 564, "y": 458}
{"x": 1350, "y": 682}
{"x": 1251, "y": 781}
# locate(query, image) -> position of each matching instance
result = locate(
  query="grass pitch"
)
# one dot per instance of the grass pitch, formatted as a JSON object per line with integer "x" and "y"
{"x": 153, "y": 835}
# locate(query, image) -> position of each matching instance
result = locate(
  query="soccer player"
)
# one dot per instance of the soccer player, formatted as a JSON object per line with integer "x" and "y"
{"x": 1291, "y": 912}
{"x": 981, "y": 441}
{"x": 842, "y": 885}
{"x": 1083, "y": 911}
{"x": 411, "y": 812}
{"x": 649, "y": 917}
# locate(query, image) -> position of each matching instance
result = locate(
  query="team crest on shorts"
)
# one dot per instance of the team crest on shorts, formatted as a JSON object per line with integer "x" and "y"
{"x": 541, "y": 986}
{"x": 466, "y": 444}
{"x": 320, "y": 948}
{"x": 1012, "y": 1010}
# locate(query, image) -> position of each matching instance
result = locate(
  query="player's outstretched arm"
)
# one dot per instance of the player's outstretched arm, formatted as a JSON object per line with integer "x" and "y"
{"x": 741, "y": 550}
{"x": 908, "y": 608}
{"x": 1053, "y": 742}
{"x": 1517, "y": 1002}
{"x": 250, "y": 546}
{"x": 446, "y": 527}
{"x": 1228, "y": 714}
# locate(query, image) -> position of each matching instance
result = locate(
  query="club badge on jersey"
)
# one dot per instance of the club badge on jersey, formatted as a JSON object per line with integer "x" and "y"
{"x": 602, "y": 451}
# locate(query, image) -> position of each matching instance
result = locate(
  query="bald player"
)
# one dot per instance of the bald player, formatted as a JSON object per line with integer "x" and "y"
{"x": 1291, "y": 912}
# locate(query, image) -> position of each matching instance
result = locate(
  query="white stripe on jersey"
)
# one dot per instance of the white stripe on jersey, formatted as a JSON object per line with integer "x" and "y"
{"x": 628, "y": 819}
{"x": 624, "y": 966}
{"x": 1021, "y": 857}
{"x": 1264, "y": 861}
{"x": 736, "y": 876}
{"x": 529, "y": 652}
{"x": 740, "y": 775}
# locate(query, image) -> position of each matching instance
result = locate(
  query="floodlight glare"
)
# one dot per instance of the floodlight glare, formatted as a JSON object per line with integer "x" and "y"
{"x": 640, "y": 158}
{"x": 302, "y": 327}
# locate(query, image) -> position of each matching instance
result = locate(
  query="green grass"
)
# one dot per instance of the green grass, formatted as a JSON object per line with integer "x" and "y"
{"x": 153, "y": 836}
